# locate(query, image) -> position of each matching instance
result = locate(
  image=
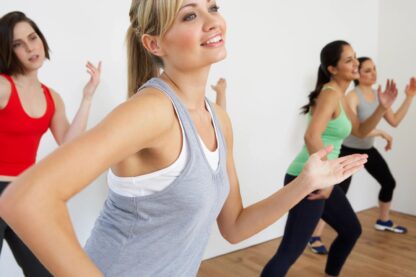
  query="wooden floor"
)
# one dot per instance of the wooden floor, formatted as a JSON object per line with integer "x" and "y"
{"x": 379, "y": 254}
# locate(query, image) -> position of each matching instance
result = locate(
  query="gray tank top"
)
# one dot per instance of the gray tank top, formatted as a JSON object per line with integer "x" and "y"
{"x": 364, "y": 110}
{"x": 165, "y": 233}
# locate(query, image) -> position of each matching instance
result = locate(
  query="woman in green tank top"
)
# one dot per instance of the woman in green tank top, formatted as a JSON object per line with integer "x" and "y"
{"x": 330, "y": 121}
{"x": 362, "y": 100}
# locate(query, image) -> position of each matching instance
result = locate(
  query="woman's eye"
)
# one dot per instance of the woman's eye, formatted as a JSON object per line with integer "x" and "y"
{"x": 189, "y": 17}
{"x": 214, "y": 8}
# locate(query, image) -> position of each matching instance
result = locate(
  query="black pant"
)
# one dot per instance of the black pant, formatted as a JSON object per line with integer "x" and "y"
{"x": 24, "y": 257}
{"x": 301, "y": 222}
{"x": 377, "y": 167}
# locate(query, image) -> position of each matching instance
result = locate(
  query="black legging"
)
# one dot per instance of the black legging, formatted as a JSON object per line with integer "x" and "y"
{"x": 301, "y": 222}
{"x": 24, "y": 257}
{"x": 377, "y": 167}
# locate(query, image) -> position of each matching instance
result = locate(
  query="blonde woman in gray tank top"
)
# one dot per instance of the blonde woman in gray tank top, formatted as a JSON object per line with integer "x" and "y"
{"x": 164, "y": 233}
{"x": 363, "y": 101}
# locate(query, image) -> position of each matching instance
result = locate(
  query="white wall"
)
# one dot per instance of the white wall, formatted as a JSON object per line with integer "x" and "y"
{"x": 398, "y": 60}
{"x": 273, "y": 58}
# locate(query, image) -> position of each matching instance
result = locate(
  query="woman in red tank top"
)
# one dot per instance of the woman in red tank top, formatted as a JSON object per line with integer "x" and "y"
{"x": 27, "y": 110}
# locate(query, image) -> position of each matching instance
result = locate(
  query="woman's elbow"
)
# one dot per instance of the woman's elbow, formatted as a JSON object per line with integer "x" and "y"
{"x": 394, "y": 124}
{"x": 7, "y": 206}
{"x": 359, "y": 134}
{"x": 3, "y": 207}
{"x": 232, "y": 239}
{"x": 16, "y": 202}
{"x": 230, "y": 236}
{"x": 309, "y": 138}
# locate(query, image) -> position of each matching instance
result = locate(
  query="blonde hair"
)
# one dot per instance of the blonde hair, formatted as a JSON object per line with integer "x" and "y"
{"x": 153, "y": 17}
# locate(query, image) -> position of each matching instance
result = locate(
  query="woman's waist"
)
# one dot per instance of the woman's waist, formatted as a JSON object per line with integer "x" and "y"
{"x": 7, "y": 179}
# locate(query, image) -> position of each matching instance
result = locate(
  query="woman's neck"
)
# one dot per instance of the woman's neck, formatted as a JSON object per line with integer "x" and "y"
{"x": 27, "y": 80}
{"x": 341, "y": 84}
{"x": 365, "y": 88}
{"x": 189, "y": 86}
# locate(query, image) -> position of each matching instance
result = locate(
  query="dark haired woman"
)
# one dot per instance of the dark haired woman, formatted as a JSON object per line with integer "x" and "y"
{"x": 28, "y": 109}
{"x": 363, "y": 101}
{"x": 330, "y": 122}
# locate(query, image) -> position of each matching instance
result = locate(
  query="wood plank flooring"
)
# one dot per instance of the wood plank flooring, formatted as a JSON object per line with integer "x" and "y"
{"x": 379, "y": 254}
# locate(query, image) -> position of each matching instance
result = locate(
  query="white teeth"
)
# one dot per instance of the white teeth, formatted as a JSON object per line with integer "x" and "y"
{"x": 214, "y": 40}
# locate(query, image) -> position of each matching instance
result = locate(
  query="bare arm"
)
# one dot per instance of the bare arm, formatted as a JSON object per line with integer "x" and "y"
{"x": 384, "y": 135}
{"x": 237, "y": 223}
{"x": 394, "y": 118}
{"x": 325, "y": 109}
{"x": 39, "y": 195}
{"x": 220, "y": 88}
{"x": 60, "y": 127}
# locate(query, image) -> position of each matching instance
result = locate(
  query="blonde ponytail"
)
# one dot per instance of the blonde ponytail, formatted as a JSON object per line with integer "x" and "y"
{"x": 153, "y": 17}
{"x": 140, "y": 64}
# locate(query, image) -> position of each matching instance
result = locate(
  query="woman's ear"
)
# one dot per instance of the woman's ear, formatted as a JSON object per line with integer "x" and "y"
{"x": 151, "y": 44}
{"x": 332, "y": 70}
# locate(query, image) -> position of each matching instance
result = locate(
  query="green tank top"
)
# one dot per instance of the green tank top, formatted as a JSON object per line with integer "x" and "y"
{"x": 336, "y": 131}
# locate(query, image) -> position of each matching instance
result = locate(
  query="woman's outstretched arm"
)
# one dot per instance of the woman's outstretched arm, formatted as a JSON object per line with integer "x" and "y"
{"x": 60, "y": 127}
{"x": 35, "y": 204}
{"x": 237, "y": 223}
{"x": 394, "y": 118}
{"x": 386, "y": 99}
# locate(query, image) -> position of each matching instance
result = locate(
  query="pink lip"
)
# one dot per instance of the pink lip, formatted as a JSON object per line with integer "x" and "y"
{"x": 34, "y": 58}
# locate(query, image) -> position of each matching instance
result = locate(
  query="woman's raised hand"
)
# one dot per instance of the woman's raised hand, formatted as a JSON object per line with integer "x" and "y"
{"x": 220, "y": 86}
{"x": 387, "y": 97}
{"x": 95, "y": 73}
{"x": 411, "y": 87}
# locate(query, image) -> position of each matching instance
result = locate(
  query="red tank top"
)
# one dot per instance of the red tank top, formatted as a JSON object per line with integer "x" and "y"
{"x": 20, "y": 134}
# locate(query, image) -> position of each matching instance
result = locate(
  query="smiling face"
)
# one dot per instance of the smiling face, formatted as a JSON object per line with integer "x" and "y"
{"x": 347, "y": 66}
{"x": 28, "y": 46}
{"x": 196, "y": 37}
{"x": 368, "y": 73}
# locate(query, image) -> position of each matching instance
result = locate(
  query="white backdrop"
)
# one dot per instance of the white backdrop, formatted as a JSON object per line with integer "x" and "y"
{"x": 398, "y": 60}
{"x": 273, "y": 57}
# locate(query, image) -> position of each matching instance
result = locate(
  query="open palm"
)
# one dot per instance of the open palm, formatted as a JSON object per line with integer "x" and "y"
{"x": 95, "y": 73}
{"x": 387, "y": 97}
{"x": 324, "y": 173}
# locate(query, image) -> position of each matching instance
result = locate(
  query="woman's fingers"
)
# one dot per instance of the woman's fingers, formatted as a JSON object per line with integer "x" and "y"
{"x": 94, "y": 69}
{"x": 351, "y": 158}
{"x": 348, "y": 165}
{"x": 353, "y": 165}
{"x": 351, "y": 170}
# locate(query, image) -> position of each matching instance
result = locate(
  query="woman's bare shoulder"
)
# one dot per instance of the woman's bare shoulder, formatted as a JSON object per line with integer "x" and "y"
{"x": 5, "y": 86}
{"x": 5, "y": 90}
